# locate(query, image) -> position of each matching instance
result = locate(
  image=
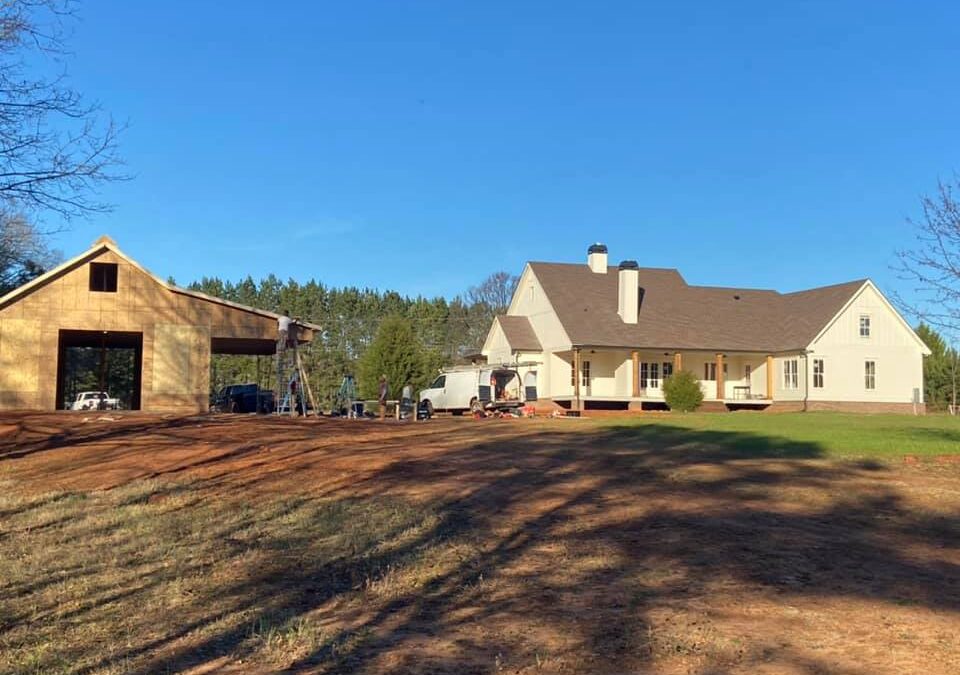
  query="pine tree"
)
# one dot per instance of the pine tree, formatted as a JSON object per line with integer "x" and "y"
{"x": 397, "y": 353}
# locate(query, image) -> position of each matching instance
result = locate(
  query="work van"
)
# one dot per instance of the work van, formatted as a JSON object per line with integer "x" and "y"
{"x": 473, "y": 388}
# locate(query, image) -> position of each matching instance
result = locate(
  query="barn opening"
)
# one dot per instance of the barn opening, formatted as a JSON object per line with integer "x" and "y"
{"x": 242, "y": 361}
{"x": 109, "y": 361}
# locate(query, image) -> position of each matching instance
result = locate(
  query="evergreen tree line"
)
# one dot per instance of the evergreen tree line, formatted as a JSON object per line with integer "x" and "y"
{"x": 941, "y": 371}
{"x": 440, "y": 331}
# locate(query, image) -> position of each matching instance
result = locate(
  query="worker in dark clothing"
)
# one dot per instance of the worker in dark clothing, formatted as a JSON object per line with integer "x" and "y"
{"x": 382, "y": 397}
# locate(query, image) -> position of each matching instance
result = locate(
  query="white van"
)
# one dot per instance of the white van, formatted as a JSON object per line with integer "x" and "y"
{"x": 472, "y": 388}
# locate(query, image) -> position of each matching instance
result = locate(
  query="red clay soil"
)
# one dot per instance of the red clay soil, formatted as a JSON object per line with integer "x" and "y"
{"x": 605, "y": 549}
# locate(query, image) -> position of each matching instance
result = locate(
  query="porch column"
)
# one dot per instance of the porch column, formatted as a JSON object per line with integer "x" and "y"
{"x": 635, "y": 357}
{"x": 769, "y": 377}
{"x": 677, "y": 362}
{"x": 576, "y": 378}
{"x": 720, "y": 384}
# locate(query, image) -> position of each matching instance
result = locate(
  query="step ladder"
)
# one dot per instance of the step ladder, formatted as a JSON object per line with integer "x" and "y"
{"x": 292, "y": 380}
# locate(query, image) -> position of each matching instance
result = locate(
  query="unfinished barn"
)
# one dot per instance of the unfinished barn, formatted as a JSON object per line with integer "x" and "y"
{"x": 102, "y": 317}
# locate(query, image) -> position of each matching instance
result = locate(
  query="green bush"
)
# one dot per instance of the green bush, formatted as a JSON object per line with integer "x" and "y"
{"x": 682, "y": 391}
{"x": 397, "y": 353}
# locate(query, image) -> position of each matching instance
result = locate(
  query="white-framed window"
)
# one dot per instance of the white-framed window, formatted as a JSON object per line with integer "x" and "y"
{"x": 870, "y": 374}
{"x": 667, "y": 369}
{"x": 818, "y": 373}
{"x": 654, "y": 375}
{"x": 864, "y": 325}
{"x": 584, "y": 374}
{"x": 710, "y": 371}
{"x": 791, "y": 378}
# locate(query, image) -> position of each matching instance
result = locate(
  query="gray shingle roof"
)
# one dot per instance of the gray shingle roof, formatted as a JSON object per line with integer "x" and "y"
{"x": 676, "y": 315}
{"x": 519, "y": 333}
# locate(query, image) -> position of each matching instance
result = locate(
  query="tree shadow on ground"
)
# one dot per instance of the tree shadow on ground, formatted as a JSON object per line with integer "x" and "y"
{"x": 597, "y": 550}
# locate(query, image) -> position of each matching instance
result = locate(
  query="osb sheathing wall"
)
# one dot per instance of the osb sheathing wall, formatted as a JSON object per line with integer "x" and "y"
{"x": 176, "y": 329}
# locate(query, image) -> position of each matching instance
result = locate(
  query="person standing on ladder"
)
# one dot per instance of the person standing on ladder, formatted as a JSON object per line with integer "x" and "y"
{"x": 283, "y": 336}
{"x": 283, "y": 326}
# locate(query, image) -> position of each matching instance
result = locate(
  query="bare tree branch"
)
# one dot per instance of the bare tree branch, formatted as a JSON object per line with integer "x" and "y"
{"x": 24, "y": 253}
{"x": 932, "y": 266}
{"x": 55, "y": 148}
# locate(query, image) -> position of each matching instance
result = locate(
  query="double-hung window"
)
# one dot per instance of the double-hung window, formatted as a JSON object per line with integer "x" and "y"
{"x": 791, "y": 378}
{"x": 870, "y": 374}
{"x": 710, "y": 371}
{"x": 818, "y": 373}
{"x": 864, "y": 325}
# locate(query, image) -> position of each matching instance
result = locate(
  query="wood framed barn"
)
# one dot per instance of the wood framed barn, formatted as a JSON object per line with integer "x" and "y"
{"x": 105, "y": 302}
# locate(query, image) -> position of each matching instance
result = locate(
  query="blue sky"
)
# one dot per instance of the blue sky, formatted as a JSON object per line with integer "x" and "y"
{"x": 422, "y": 145}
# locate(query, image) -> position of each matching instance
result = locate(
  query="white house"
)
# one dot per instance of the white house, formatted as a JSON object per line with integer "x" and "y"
{"x": 604, "y": 338}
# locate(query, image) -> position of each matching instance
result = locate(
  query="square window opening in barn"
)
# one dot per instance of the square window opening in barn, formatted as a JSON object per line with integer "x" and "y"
{"x": 103, "y": 277}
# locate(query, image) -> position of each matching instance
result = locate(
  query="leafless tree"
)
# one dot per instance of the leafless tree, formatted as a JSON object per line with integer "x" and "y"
{"x": 23, "y": 252}
{"x": 932, "y": 266}
{"x": 55, "y": 148}
{"x": 495, "y": 292}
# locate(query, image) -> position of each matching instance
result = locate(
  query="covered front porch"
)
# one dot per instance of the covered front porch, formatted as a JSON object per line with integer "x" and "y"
{"x": 618, "y": 379}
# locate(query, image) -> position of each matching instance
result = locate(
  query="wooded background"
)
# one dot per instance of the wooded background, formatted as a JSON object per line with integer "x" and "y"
{"x": 444, "y": 331}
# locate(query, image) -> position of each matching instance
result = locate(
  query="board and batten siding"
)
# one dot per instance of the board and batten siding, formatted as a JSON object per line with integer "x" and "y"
{"x": 497, "y": 349}
{"x": 892, "y": 345}
{"x": 531, "y": 301}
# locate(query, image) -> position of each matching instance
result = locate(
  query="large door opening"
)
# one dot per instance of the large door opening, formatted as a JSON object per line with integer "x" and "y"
{"x": 107, "y": 361}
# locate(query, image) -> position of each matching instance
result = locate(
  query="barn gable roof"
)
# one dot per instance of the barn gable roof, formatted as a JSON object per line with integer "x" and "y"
{"x": 105, "y": 243}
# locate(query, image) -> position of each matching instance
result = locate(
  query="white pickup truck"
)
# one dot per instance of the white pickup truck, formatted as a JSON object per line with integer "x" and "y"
{"x": 94, "y": 400}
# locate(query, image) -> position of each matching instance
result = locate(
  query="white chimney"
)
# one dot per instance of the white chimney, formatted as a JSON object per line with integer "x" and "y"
{"x": 597, "y": 258}
{"x": 629, "y": 291}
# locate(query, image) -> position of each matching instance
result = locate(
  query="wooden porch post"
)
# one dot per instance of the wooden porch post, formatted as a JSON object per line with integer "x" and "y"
{"x": 720, "y": 384}
{"x": 677, "y": 362}
{"x": 635, "y": 357}
{"x": 769, "y": 377}
{"x": 576, "y": 378}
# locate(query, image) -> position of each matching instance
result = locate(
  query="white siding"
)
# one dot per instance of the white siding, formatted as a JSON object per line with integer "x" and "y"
{"x": 559, "y": 376}
{"x": 496, "y": 348}
{"x": 530, "y": 301}
{"x": 892, "y": 345}
{"x": 780, "y": 391}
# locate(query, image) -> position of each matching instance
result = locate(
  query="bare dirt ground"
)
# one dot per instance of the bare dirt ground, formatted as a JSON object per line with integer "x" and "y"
{"x": 581, "y": 546}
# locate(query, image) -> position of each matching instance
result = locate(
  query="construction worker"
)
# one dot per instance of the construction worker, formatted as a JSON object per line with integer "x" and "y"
{"x": 283, "y": 328}
{"x": 382, "y": 397}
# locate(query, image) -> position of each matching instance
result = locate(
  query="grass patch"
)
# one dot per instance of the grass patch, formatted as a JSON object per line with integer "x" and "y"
{"x": 815, "y": 434}
{"x": 157, "y": 577}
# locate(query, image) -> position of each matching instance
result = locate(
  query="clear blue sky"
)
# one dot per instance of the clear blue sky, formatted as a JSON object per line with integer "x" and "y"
{"x": 420, "y": 146}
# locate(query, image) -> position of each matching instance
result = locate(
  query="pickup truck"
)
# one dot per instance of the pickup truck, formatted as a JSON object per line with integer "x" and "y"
{"x": 94, "y": 400}
{"x": 243, "y": 398}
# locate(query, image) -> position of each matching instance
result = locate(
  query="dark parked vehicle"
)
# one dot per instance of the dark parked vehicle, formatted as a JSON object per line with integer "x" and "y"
{"x": 244, "y": 398}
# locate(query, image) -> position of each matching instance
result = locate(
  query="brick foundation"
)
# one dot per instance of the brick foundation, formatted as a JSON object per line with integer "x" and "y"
{"x": 546, "y": 407}
{"x": 848, "y": 406}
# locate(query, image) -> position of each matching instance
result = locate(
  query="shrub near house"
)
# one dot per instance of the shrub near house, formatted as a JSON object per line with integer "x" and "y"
{"x": 682, "y": 392}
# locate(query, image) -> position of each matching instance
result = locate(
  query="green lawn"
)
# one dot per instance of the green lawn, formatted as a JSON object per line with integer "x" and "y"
{"x": 815, "y": 434}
